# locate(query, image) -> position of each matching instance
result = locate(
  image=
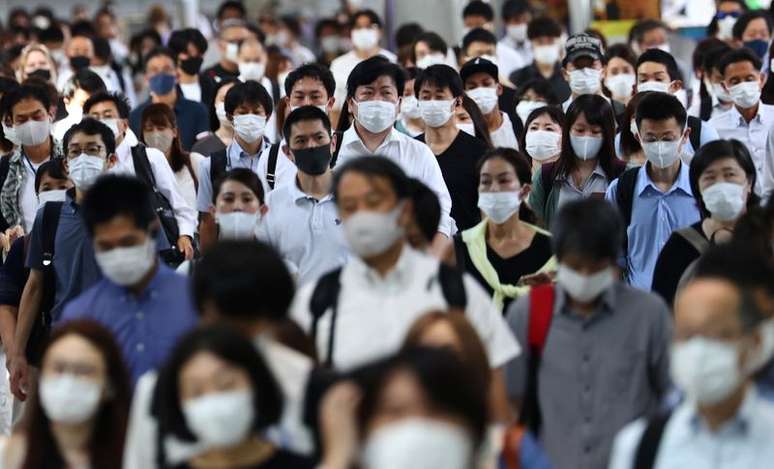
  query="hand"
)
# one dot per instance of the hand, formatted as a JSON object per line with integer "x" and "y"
{"x": 13, "y": 233}
{"x": 540, "y": 278}
{"x": 185, "y": 246}
{"x": 5, "y": 246}
{"x": 338, "y": 425}
{"x": 19, "y": 377}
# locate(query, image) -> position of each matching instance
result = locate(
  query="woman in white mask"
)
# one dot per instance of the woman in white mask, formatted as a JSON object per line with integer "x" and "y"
{"x": 410, "y": 117}
{"x": 78, "y": 416}
{"x": 587, "y": 163}
{"x": 620, "y": 78}
{"x": 542, "y": 138}
{"x": 429, "y": 49}
{"x": 534, "y": 94}
{"x": 217, "y": 392}
{"x": 221, "y": 138}
{"x": 722, "y": 178}
{"x": 505, "y": 252}
{"x": 417, "y": 410}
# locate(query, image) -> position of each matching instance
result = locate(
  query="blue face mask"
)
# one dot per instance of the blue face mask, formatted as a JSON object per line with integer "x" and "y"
{"x": 162, "y": 83}
{"x": 759, "y": 46}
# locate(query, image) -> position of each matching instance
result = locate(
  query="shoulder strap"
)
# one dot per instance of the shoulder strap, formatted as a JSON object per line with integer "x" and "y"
{"x": 275, "y": 91}
{"x": 5, "y": 166}
{"x": 326, "y": 296}
{"x": 271, "y": 170}
{"x": 547, "y": 175}
{"x": 218, "y": 164}
{"x": 699, "y": 242}
{"x": 624, "y": 194}
{"x": 647, "y": 450}
{"x": 49, "y": 224}
{"x": 452, "y": 286}
{"x": 541, "y": 308}
{"x": 142, "y": 168}
{"x": 120, "y": 75}
{"x": 694, "y": 124}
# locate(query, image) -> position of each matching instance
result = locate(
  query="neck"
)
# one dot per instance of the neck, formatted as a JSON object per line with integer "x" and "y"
{"x": 507, "y": 230}
{"x": 370, "y": 140}
{"x": 228, "y": 65}
{"x": 547, "y": 70}
{"x": 249, "y": 453}
{"x": 187, "y": 79}
{"x": 718, "y": 414}
{"x": 79, "y": 195}
{"x": 315, "y": 186}
{"x": 666, "y": 176}
{"x": 494, "y": 119}
{"x": 367, "y": 53}
{"x": 441, "y": 135}
{"x": 386, "y": 261}
{"x": 39, "y": 153}
{"x": 225, "y": 132}
{"x": 249, "y": 148}
{"x": 143, "y": 284}
{"x": 417, "y": 123}
{"x": 72, "y": 438}
{"x": 169, "y": 99}
{"x": 584, "y": 309}
{"x": 587, "y": 167}
{"x": 749, "y": 113}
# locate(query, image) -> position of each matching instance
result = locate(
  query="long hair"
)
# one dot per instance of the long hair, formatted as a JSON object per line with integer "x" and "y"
{"x": 162, "y": 115}
{"x": 629, "y": 143}
{"x": 521, "y": 166}
{"x": 106, "y": 444}
{"x": 479, "y": 123}
{"x": 598, "y": 112}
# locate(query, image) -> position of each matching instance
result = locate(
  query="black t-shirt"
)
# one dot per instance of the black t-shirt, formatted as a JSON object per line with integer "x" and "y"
{"x": 281, "y": 459}
{"x": 559, "y": 85}
{"x": 458, "y": 166}
{"x": 676, "y": 255}
{"x": 217, "y": 73}
{"x": 510, "y": 270}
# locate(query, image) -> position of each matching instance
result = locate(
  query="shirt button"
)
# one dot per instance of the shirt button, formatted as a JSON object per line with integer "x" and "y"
{"x": 140, "y": 347}
{"x": 140, "y": 315}
{"x": 587, "y": 449}
{"x": 586, "y": 357}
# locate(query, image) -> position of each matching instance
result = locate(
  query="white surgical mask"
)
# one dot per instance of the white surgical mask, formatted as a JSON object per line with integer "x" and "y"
{"x": 581, "y": 287}
{"x": 547, "y": 55}
{"x": 371, "y": 233}
{"x": 376, "y": 116}
{"x": 721, "y": 94}
{"x": 330, "y": 44}
{"x": 499, "y": 206}
{"x": 220, "y": 111}
{"x": 33, "y": 132}
{"x": 220, "y": 419}
{"x": 409, "y": 107}
{"x": 232, "y": 52}
{"x": 662, "y": 154}
{"x": 653, "y": 85}
{"x": 431, "y": 59}
{"x": 365, "y": 38}
{"x": 517, "y": 32}
{"x": 436, "y": 113}
{"x": 112, "y": 123}
{"x": 126, "y": 266}
{"x": 585, "y": 81}
{"x": 726, "y": 28}
{"x": 621, "y": 85}
{"x": 485, "y": 98}
{"x": 746, "y": 94}
{"x": 85, "y": 169}
{"x": 724, "y": 200}
{"x": 418, "y": 443}
{"x": 10, "y": 134}
{"x": 249, "y": 127}
{"x": 764, "y": 355}
{"x": 585, "y": 147}
{"x": 237, "y": 225}
{"x": 69, "y": 399}
{"x": 706, "y": 370}
{"x": 467, "y": 127}
{"x": 159, "y": 140}
{"x": 251, "y": 71}
{"x": 525, "y": 108}
{"x": 58, "y": 195}
{"x": 543, "y": 144}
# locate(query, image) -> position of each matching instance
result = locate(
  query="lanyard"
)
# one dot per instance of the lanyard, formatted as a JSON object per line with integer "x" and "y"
{"x": 29, "y": 163}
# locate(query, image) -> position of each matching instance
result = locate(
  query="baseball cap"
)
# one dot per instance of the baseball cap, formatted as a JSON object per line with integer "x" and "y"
{"x": 479, "y": 65}
{"x": 583, "y": 45}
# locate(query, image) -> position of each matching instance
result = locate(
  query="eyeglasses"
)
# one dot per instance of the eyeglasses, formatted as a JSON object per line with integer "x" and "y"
{"x": 91, "y": 149}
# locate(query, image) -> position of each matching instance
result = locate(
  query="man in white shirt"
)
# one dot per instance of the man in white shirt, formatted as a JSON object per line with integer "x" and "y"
{"x": 374, "y": 89}
{"x": 516, "y": 16}
{"x": 363, "y": 311}
{"x": 302, "y": 222}
{"x": 480, "y": 77}
{"x": 113, "y": 111}
{"x": 749, "y": 120}
{"x": 480, "y": 15}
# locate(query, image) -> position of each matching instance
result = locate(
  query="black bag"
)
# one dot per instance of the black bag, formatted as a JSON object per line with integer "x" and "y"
{"x": 219, "y": 166}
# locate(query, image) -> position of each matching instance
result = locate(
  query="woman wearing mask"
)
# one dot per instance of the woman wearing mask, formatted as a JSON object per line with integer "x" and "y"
{"x": 221, "y": 138}
{"x": 627, "y": 147}
{"x": 534, "y": 94}
{"x": 35, "y": 61}
{"x": 722, "y": 179}
{"x": 159, "y": 131}
{"x": 410, "y": 118}
{"x": 620, "y": 78}
{"x": 542, "y": 140}
{"x": 469, "y": 119}
{"x": 505, "y": 253}
{"x": 78, "y": 416}
{"x": 217, "y": 392}
{"x": 587, "y": 163}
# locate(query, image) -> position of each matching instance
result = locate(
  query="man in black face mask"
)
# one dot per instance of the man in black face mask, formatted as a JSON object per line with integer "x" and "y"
{"x": 189, "y": 47}
{"x": 302, "y": 222}
{"x": 80, "y": 53}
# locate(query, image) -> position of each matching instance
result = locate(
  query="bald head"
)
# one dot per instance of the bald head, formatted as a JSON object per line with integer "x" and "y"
{"x": 710, "y": 308}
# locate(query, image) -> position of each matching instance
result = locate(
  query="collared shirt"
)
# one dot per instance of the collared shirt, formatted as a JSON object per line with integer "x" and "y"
{"x": 504, "y": 136}
{"x": 236, "y": 157}
{"x": 595, "y": 185}
{"x": 687, "y": 442}
{"x": 28, "y": 198}
{"x": 166, "y": 182}
{"x": 512, "y": 56}
{"x": 655, "y": 215}
{"x": 754, "y": 135}
{"x": 708, "y": 134}
{"x": 343, "y": 65}
{"x": 375, "y": 312}
{"x": 284, "y": 173}
{"x": 192, "y": 119}
{"x": 416, "y": 159}
{"x": 767, "y": 182}
{"x": 307, "y": 232}
{"x": 146, "y": 326}
{"x": 597, "y": 373}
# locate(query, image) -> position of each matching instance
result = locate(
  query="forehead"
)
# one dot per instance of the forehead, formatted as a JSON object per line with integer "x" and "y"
{"x": 307, "y": 127}
{"x": 235, "y": 187}
{"x": 251, "y": 47}
{"x": 73, "y": 347}
{"x": 363, "y": 21}
{"x": 307, "y": 84}
{"x": 708, "y": 304}
{"x": 659, "y": 125}
{"x": 652, "y": 67}
{"x": 495, "y": 166}
{"x": 202, "y": 365}
{"x": 743, "y": 67}
{"x": 103, "y": 106}
{"x": 479, "y": 77}
{"x": 36, "y": 55}
{"x": 234, "y": 32}
{"x": 28, "y": 105}
{"x": 80, "y": 41}
{"x": 381, "y": 82}
{"x": 161, "y": 60}
{"x": 757, "y": 23}
{"x": 81, "y": 138}
{"x": 480, "y": 45}
{"x": 354, "y": 184}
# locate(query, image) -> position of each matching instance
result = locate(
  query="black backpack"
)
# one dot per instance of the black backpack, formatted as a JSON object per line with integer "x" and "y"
{"x": 219, "y": 166}
{"x": 326, "y": 296}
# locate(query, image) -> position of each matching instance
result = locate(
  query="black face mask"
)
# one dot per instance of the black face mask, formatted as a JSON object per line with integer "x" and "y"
{"x": 79, "y": 62}
{"x": 192, "y": 65}
{"x": 313, "y": 161}
{"x": 44, "y": 75}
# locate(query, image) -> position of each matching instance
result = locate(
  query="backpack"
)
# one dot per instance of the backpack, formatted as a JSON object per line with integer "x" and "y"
{"x": 701, "y": 244}
{"x": 647, "y": 450}
{"x": 219, "y": 166}
{"x": 541, "y": 310}
{"x": 326, "y": 296}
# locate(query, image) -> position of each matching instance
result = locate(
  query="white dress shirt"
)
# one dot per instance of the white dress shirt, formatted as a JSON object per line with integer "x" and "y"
{"x": 306, "y": 232}
{"x": 185, "y": 182}
{"x": 767, "y": 182}
{"x": 165, "y": 181}
{"x": 284, "y": 173}
{"x": 375, "y": 312}
{"x": 416, "y": 159}
{"x": 745, "y": 442}
{"x": 193, "y": 91}
{"x": 504, "y": 136}
{"x": 509, "y": 59}
{"x": 343, "y": 65}
{"x": 28, "y": 197}
{"x": 754, "y": 135}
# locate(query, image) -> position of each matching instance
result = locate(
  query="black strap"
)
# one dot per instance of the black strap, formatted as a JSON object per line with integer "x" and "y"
{"x": 142, "y": 167}
{"x": 624, "y": 197}
{"x": 275, "y": 92}
{"x": 649, "y": 443}
{"x": 271, "y": 170}
{"x": 452, "y": 286}
{"x": 119, "y": 74}
{"x": 218, "y": 165}
{"x": 5, "y": 165}
{"x": 325, "y": 296}
{"x": 547, "y": 178}
{"x": 694, "y": 123}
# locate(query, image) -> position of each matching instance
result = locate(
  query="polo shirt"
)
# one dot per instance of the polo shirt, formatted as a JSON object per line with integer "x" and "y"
{"x": 375, "y": 312}
{"x": 655, "y": 215}
{"x": 192, "y": 119}
{"x": 597, "y": 373}
{"x": 305, "y": 231}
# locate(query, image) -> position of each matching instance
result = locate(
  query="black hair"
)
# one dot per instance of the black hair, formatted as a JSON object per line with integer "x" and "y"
{"x": 478, "y": 8}
{"x": 249, "y": 92}
{"x": 373, "y": 168}
{"x": 642, "y": 27}
{"x": 120, "y": 101}
{"x": 51, "y": 34}
{"x": 314, "y": 71}
{"x": 244, "y": 280}
{"x": 555, "y": 113}
{"x": 305, "y": 113}
{"x": 659, "y": 107}
{"x": 664, "y": 58}
{"x": 243, "y": 176}
{"x": 291, "y": 22}
{"x": 720, "y": 150}
{"x": 434, "y": 42}
{"x": 27, "y": 91}
{"x": 521, "y": 166}
{"x": 427, "y": 208}
{"x": 223, "y": 82}
{"x": 756, "y": 229}
{"x": 512, "y": 9}
{"x": 7, "y": 84}
{"x": 442, "y": 76}
{"x": 712, "y": 57}
{"x": 115, "y": 195}
{"x": 86, "y": 80}
{"x": 541, "y": 87}
{"x": 478, "y": 35}
{"x": 591, "y": 228}
{"x": 699, "y": 61}
{"x": 325, "y": 23}
{"x": 372, "y": 17}
{"x": 543, "y": 26}
{"x": 598, "y": 112}
{"x": 746, "y": 18}
{"x": 160, "y": 51}
{"x": 629, "y": 143}
{"x": 51, "y": 168}
{"x": 102, "y": 49}
{"x": 479, "y": 123}
{"x": 89, "y": 126}
{"x": 235, "y": 349}
{"x": 622, "y": 51}
{"x": 83, "y": 28}
{"x": 742, "y": 54}
{"x": 407, "y": 34}
{"x": 230, "y": 5}
{"x": 180, "y": 39}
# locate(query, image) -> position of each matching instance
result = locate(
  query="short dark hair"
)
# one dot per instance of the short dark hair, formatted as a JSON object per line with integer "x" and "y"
{"x": 89, "y": 126}
{"x": 746, "y": 18}
{"x": 478, "y": 35}
{"x": 478, "y": 8}
{"x": 235, "y": 349}
{"x": 664, "y": 58}
{"x": 230, "y": 5}
{"x": 372, "y": 17}
{"x": 642, "y": 27}
{"x": 407, "y": 34}
{"x": 114, "y": 195}
{"x": 160, "y": 51}
{"x": 368, "y": 71}
{"x": 27, "y": 91}
{"x": 661, "y": 106}
{"x": 711, "y": 59}
{"x": 102, "y": 49}
{"x": 245, "y": 280}
{"x": 590, "y": 228}
{"x": 249, "y": 92}
{"x": 314, "y": 71}
{"x": 541, "y": 87}
{"x": 433, "y": 40}
{"x": 120, "y": 101}
{"x": 243, "y": 176}
{"x": 742, "y": 54}
{"x": 427, "y": 208}
{"x": 305, "y": 113}
{"x": 51, "y": 34}
{"x": 52, "y": 168}
{"x": 181, "y": 38}
{"x": 442, "y": 76}
{"x": 512, "y": 9}
{"x": 543, "y": 26}
{"x": 372, "y": 167}
{"x": 86, "y": 80}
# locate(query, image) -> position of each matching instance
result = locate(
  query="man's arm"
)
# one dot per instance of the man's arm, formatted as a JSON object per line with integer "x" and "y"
{"x": 208, "y": 230}
{"x": 8, "y": 327}
{"x": 433, "y": 177}
{"x": 29, "y": 308}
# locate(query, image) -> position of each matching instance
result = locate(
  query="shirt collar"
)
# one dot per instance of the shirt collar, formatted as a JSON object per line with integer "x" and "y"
{"x": 352, "y": 138}
{"x": 607, "y": 304}
{"x": 738, "y": 120}
{"x": 399, "y": 275}
{"x": 124, "y": 149}
{"x": 682, "y": 183}
{"x": 236, "y": 152}
{"x": 297, "y": 194}
{"x": 740, "y": 423}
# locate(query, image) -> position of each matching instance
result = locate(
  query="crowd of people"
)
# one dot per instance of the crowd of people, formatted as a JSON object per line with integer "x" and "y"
{"x": 267, "y": 248}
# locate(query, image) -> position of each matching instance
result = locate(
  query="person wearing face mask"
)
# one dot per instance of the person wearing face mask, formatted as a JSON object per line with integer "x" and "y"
{"x": 288, "y": 38}
{"x": 116, "y": 78}
{"x": 118, "y": 215}
{"x": 373, "y": 99}
{"x": 480, "y": 78}
{"x": 35, "y": 60}
{"x": 722, "y": 335}
{"x": 649, "y": 34}
{"x": 223, "y": 135}
{"x": 753, "y": 31}
{"x": 410, "y": 117}
{"x": 252, "y": 65}
{"x": 585, "y": 68}
{"x": 302, "y": 222}
{"x": 439, "y": 90}
{"x": 482, "y": 43}
{"x": 78, "y": 89}
{"x": 542, "y": 139}
{"x": 587, "y": 163}
{"x": 620, "y": 78}
{"x": 375, "y": 209}
{"x": 80, "y": 52}
{"x": 657, "y": 198}
{"x": 750, "y": 120}
{"x": 545, "y": 37}
{"x": 505, "y": 252}
{"x": 79, "y": 413}
{"x": 429, "y": 49}
{"x": 590, "y": 322}
{"x": 534, "y": 94}
{"x": 189, "y": 46}
{"x": 719, "y": 99}
{"x": 161, "y": 78}
{"x": 722, "y": 24}
{"x": 516, "y": 15}
{"x": 231, "y": 33}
